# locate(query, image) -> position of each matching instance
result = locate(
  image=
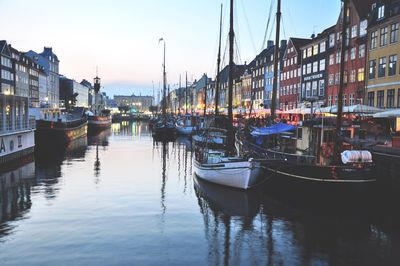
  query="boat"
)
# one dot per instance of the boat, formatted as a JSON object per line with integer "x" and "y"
{"x": 17, "y": 127}
{"x": 99, "y": 118}
{"x": 314, "y": 153}
{"x": 59, "y": 126}
{"x": 223, "y": 167}
{"x": 164, "y": 128}
{"x": 188, "y": 124}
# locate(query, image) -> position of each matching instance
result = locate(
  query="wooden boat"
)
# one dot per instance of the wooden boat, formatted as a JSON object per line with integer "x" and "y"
{"x": 218, "y": 166}
{"x": 99, "y": 118}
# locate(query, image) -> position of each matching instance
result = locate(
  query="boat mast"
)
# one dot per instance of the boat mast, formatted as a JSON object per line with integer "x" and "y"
{"x": 231, "y": 136}
{"x": 164, "y": 107}
{"x": 218, "y": 65}
{"x": 205, "y": 96}
{"x": 338, "y": 144}
{"x": 186, "y": 96}
{"x": 276, "y": 60}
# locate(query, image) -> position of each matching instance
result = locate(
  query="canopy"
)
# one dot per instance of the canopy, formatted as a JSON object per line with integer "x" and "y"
{"x": 357, "y": 108}
{"x": 301, "y": 110}
{"x": 390, "y": 113}
{"x": 275, "y": 129}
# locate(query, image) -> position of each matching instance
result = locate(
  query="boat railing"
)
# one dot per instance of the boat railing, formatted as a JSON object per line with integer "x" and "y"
{"x": 11, "y": 126}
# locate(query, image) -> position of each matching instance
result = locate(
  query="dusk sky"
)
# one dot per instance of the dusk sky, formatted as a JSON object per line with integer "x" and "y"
{"x": 121, "y": 36}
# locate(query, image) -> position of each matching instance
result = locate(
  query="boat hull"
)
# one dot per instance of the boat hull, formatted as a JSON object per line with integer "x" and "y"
{"x": 98, "y": 123}
{"x": 16, "y": 147}
{"x": 59, "y": 133}
{"x": 242, "y": 174}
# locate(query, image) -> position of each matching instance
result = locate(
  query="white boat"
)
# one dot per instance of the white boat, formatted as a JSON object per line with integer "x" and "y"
{"x": 229, "y": 171}
{"x": 188, "y": 124}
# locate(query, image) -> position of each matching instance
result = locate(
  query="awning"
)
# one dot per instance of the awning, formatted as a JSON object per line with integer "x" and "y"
{"x": 390, "y": 113}
{"x": 275, "y": 129}
{"x": 357, "y": 109}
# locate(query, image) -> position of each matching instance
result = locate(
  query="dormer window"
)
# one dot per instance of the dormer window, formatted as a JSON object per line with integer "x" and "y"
{"x": 381, "y": 12}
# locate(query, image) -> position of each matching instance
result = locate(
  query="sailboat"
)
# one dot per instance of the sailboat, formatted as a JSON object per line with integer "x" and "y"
{"x": 322, "y": 137}
{"x": 165, "y": 127}
{"x": 218, "y": 166}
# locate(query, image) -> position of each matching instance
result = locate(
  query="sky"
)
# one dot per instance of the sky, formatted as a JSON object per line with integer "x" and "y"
{"x": 121, "y": 37}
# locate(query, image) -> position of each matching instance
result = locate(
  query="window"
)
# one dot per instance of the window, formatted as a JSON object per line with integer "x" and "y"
{"x": 304, "y": 69}
{"x": 374, "y": 39}
{"x": 322, "y": 47}
{"x": 322, "y": 65}
{"x": 372, "y": 69}
{"x": 315, "y": 66}
{"x": 354, "y": 31}
{"x": 314, "y": 88}
{"x": 380, "y": 99}
{"x": 390, "y": 99}
{"x": 360, "y": 74}
{"x": 338, "y": 57}
{"x": 309, "y": 70}
{"x": 382, "y": 67}
{"x": 371, "y": 98}
{"x": 331, "y": 80}
{"x": 315, "y": 49}
{"x": 329, "y": 100}
{"x": 353, "y": 75}
{"x": 346, "y": 55}
{"x": 398, "y": 98}
{"x": 384, "y": 37}
{"x": 308, "y": 89}
{"x": 363, "y": 28}
{"x": 309, "y": 52}
{"x": 381, "y": 12}
{"x": 322, "y": 87}
{"x": 353, "y": 53}
{"x": 394, "y": 33}
{"x": 332, "y": 40}
{"x": 304, "y": 54}
{"x": 361, "y": 51}
{"x": 6, "y": 62}
{"x": 351, "y": 99}
{"x": 337, "y": 78}
{"x": 392, "y": 65}
{"x": 331, "y": 59}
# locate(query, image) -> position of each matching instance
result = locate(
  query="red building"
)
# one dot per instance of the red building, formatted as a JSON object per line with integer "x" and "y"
{"x": 290, "y": 79}
{"x": 355, "y": 55}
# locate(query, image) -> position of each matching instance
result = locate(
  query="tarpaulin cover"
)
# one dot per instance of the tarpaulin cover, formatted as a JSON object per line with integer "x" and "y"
{"x": 275, "y": 129}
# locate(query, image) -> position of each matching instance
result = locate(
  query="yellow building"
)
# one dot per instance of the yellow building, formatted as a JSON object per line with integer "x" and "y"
{"x": 383, "y": 75}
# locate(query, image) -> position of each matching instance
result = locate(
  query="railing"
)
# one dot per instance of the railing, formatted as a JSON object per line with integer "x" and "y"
{"x": 9, "y": 126}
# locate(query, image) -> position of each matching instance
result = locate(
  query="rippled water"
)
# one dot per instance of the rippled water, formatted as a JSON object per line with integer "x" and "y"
{"x": 121, "y": 198}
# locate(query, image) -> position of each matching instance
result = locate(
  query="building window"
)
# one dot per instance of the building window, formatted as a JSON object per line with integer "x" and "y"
{"x": 308, "y": 89}
{"x": 304, "y": 69}
{"x": 392, "y": 65}
{"x": 382, "y": 67}
{"x": 304, "y": 54}
{"x": 394, "y": 33}
{"x": 337, "y": 78}
{"x": 351, "y": 99}
{"x": 314, "y": 88}
{"x": 353, "y": 53}
{"x": 322, "y": 87}
{"x": 384, "y": 36}
{"x": 329, "y": 100}
{"x": 322, "y": 47}
{"x": 374, "y": 39}
{"x": 309, "y": 52}
{"x": 331, "y": 80}
{"x": 390, "y": 99}
{"x": 315, "y": 49}
{"x": 360, "y": 74}
{"x": 331, "y": 59}
{"x": 398, "y": 98}
{"x": 309, "y": 70}
{"x": 381, "y": 12}
{"x": 354, "y": 31}
{"x": 380, "y": 99}
{"x": 371, "y": 98}
{"x": 353, "y": 75}
{"x": 332, "y": 40}
{"x": 315, "y": 66}
{"x": 338, "y": 57}
{"x": 372, "y": 69}
{"x": 361, "y": 51}
{"x": 363, "y": 27}
{"x": 322, "y": 65}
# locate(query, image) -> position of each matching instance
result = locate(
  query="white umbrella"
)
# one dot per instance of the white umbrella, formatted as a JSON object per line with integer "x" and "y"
{"x": 390, "y": 113}
{"x": 357, "y": 108}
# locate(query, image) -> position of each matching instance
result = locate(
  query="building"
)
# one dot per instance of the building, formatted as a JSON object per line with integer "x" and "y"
{"x": 290, "y": 78}
{"x": 73, "y": 94}
{"x": 246, "y": 88}
{"x": 269, "y": 77}
{"x": 355, "y": 55}
{"x": 139, "y": 103}
{"x": 50, "y": 63}
{"x": 383, "y": 76}
{"x": 314, "y": 71}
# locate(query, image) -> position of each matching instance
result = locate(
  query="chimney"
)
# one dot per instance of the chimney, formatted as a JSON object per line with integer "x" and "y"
{"x": 270, "y": 44}
{"x": 313, "y": 36}
{"x": 283, "y": 43}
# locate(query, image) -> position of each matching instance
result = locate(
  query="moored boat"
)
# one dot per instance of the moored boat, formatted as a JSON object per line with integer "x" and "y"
{"x": 99, "y": 118}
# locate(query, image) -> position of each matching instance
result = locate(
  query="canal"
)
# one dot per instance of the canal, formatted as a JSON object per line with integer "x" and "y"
{"x": 120, "y": 198}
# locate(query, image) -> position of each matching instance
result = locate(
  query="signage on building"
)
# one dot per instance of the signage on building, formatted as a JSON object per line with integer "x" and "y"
{"x": 316, "y": 76}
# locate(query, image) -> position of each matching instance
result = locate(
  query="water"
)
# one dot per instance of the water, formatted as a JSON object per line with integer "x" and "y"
{"x": 120, "y": 198}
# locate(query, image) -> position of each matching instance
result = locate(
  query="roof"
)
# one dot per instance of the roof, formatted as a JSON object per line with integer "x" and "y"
{"x": 363, "y": 7}
{"x": 299, "y": 42}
